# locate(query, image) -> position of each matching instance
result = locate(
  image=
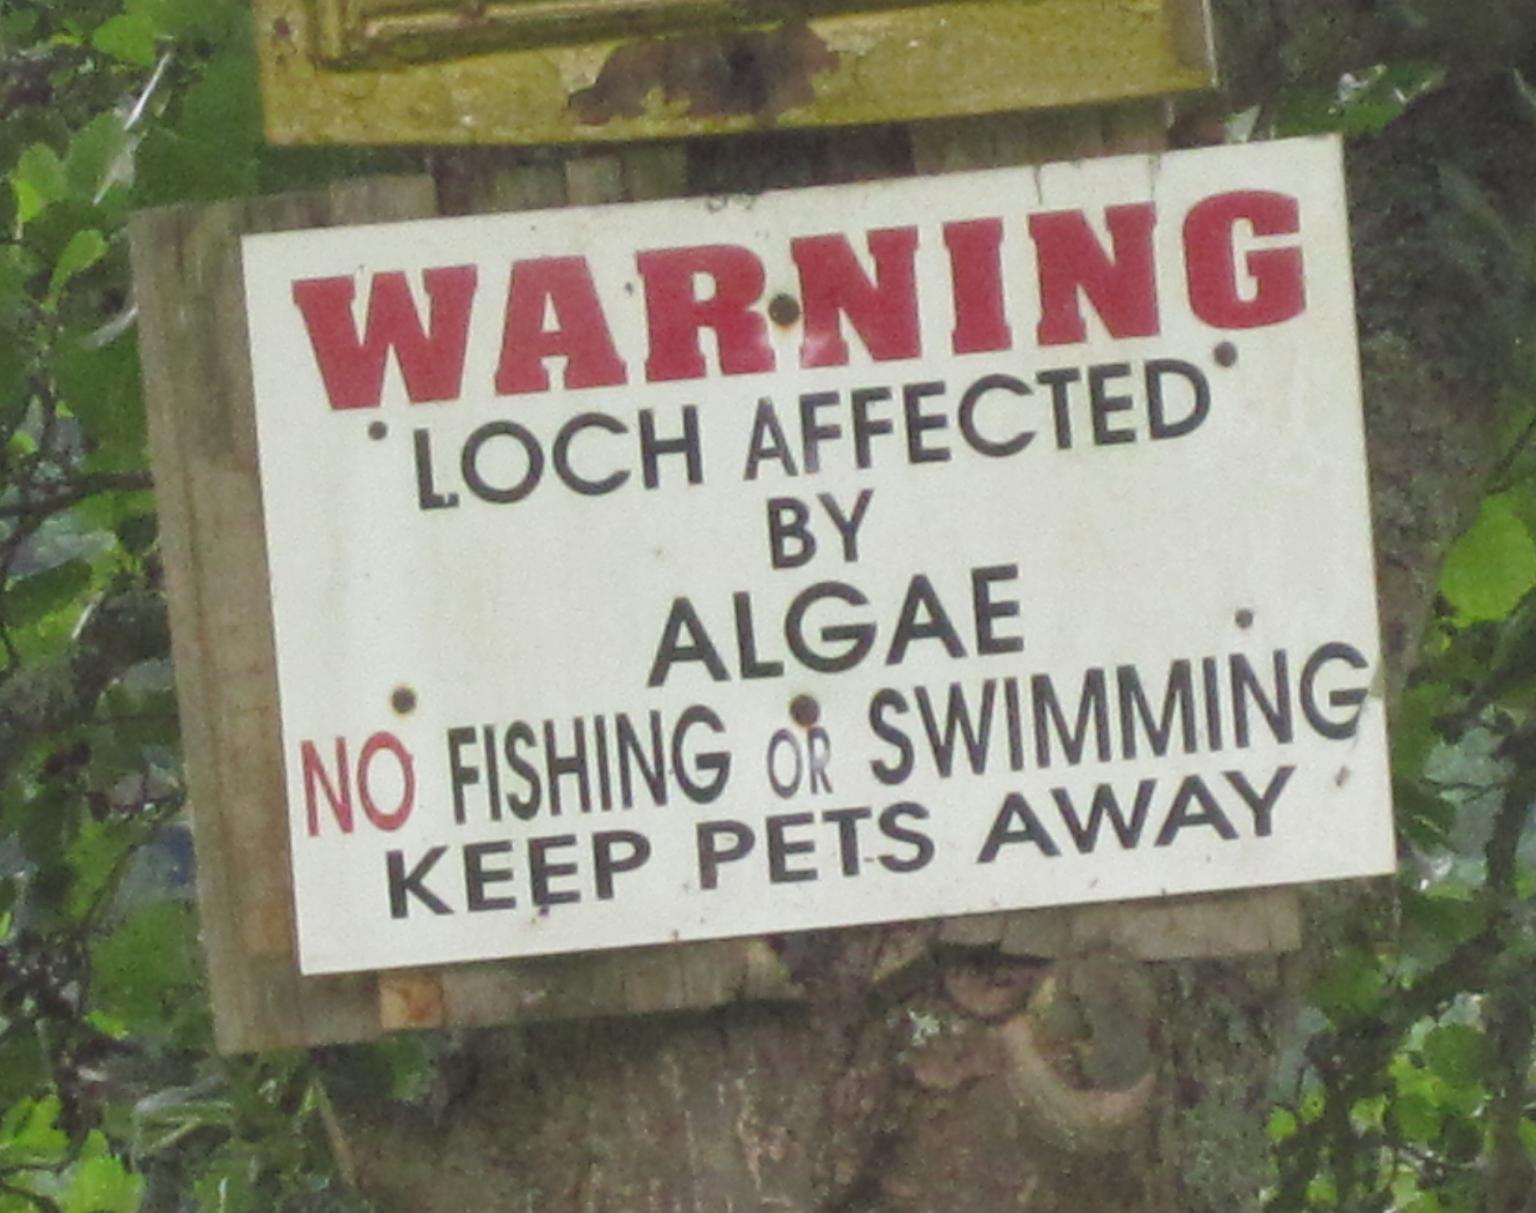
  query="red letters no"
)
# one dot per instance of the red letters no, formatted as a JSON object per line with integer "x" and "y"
{"x": 337, "y": 790}
{"x": 431, "y": 357}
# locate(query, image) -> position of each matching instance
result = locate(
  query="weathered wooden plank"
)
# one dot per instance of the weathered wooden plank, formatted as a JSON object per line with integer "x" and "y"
{"x": 1253, "y": 922}
{"x": 594, "y": 178}
{"x": 333, "y": 72}
{"x": 203, "y": 442}
{"x": 411, "y": 998}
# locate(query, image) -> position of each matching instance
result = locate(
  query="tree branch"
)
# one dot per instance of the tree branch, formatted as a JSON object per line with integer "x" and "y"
{"x": 76, "y": 491}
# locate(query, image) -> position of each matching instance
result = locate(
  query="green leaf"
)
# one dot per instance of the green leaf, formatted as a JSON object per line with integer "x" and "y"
{"x": 1417, "y": 1118}
{"x": 216, "y": 148}
{"x": 227, "y": 1185}
{"x": 1458, "y": 1053}
{"x": 1415, "y": 728}
{"x": 145, "y": 970}
{"x": 18, "y": 25}
{"x": 17, "y": 267}
{"x": 178, "y": 18}
{"x": 1423, "y": 818}
{"x": 93, "y": 858}
{"x": 1492, "y": 566}
{"x": 30, "y": 1135}
{"x": 23, "y": 1065}
{"x": 85, "y": 249}
{"x": 101, "y": 388}
{"x": 1445, "y": 920}
{"x": 129, "y": 37}
{"x": 29, "y": 599}
{"x": 1528, "y": 1137}
{"x": 100, "y": 1183}
{"x": 1350, "y": 987}
{"x": 93, "y": 153}
{"x": 138, "y": 532}
{"x": 1281, "y": 1124}
{"x": 39, "y": 180}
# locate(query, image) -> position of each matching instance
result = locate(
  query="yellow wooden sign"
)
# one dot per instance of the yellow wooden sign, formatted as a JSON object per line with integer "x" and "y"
{"x": 572, "y": 71}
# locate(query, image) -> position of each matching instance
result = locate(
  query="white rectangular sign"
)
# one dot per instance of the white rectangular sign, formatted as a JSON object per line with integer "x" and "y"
{"x": 738, "y": 565}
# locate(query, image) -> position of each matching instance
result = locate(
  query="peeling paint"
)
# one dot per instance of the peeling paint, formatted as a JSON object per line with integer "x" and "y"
{"x": 872, "y": 65}
{"x": 763, "y": 73}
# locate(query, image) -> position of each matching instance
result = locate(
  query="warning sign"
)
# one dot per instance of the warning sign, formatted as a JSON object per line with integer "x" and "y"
{"x": 737, "y": 565}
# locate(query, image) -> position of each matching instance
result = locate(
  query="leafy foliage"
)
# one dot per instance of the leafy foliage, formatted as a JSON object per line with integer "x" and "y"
{"x": 110, "y": 1098}
{"x": 1414, "y": 1089}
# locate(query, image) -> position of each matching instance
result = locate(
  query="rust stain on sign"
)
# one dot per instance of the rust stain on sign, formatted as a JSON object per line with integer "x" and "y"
{"x": 763, "y": 73}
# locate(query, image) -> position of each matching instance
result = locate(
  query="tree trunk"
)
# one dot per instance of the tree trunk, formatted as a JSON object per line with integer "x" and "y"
{"x": 920, "y": 1077}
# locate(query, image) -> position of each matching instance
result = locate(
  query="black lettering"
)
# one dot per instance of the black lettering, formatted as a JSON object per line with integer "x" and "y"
{"x": 1180, "y": 818}
{"x": 968, "y": 403}
{"x": 477, "y": 876}
{"x": 919, "y": 422}
{"x": 847, "y": 527}
{"x": 460, "y": 775}
{"x": 1016, "y": 822}
{"x": 957, "y": 720}
{"x": 561, "y": 455}
{"x": 653, "y": 448}
{"x": 681, "y": 619}
{"x": 768, "y": 442}
{"x": 847, "y": 823}
{"x": 1262, "y": 804}
{"x": 987, "y": 612}
{"x": 632, "y": 756}
{"x": 865, "y": 427}
{"x": 521, "y": 734}
{"x": 1058, "y": 381}
{"x": 812, "y": 432}
{"x": 557, "y": 765}
{"x": 936, "y": 626}
{"x": 1178, "y": 697}
{"x": 613, "y": 852}
{"x": 859, "y": 637}
{"x": 427, "y": 496}
{"x": 1102, "y": 404}
{"x": 714, "y": 764}
{"x": 720, "y": 842}
{"x": 790, "y": 542}
{"x": 1158, "y": 423}
{"x": 541, "y": 871}
{"x": 883, "y": 701}
{"x": 404, "y": 885}
{"x": 750, "y": 664}
{"x": 469, "y": 462}
{"x": 1351, "y": 698}
{"x": 780, "y": 849}
{"x": 893, "y": 824}
{"x": 1092, "y": 709}
{"x": 1246, "y": 687}
{"x": 1106, "y": 807}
